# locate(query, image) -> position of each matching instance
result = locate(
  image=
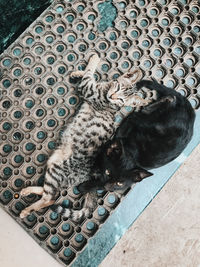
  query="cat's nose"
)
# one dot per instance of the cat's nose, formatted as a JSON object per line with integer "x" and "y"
{"x": 114, "y": 96}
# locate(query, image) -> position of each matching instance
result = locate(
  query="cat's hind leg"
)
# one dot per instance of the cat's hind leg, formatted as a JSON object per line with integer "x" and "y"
{"x": 44, "y": 202}
{"x": 38, "y": 190}
{"x": 53, "y": 181}
{"x": 49, "y": 192}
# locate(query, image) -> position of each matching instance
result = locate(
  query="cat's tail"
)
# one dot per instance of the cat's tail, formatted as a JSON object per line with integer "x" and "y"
{"x": 74, "y": 215}
{"x": 90, "y": 203}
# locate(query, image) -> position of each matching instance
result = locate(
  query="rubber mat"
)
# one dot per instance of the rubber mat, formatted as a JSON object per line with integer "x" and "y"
{"x": 36, "y": 99}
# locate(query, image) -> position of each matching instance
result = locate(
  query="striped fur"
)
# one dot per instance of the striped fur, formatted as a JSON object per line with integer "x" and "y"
{"x": 71, "y": 164}
{"x": 90, "y": 203}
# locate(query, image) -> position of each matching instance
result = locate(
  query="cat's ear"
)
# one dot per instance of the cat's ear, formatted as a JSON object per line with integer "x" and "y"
{"x": 160, "y": 105}
{"x": 139, "y": 174}
{"x": 130, "y": 177}
{"x": 133, "y": 76}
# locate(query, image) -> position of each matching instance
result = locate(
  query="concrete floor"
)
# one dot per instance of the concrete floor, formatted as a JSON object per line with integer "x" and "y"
{"x": 166, "y": 234}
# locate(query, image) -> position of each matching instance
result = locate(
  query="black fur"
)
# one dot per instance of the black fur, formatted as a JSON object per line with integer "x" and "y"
{"x": 145, "y": 140}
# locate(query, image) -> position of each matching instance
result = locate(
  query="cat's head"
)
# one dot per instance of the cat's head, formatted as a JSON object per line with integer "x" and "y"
{"x": 121, "y": 90}
{"x": 130, "y": 177}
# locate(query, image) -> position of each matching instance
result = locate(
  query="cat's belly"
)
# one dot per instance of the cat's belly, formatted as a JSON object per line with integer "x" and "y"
{"x": 90, "y": 137}
{"x": 89, "y": 130}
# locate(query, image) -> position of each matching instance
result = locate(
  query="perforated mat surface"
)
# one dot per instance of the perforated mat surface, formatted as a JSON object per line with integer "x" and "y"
{"x": 36, "y": 99}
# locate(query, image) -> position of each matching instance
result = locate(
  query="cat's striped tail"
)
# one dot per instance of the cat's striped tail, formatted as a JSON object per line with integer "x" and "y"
{"x": 90, "y": 203}
{"x": 74, "y": 215}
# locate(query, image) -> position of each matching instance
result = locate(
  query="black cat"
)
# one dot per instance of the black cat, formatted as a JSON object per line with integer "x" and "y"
{"x": 145, "y": 140}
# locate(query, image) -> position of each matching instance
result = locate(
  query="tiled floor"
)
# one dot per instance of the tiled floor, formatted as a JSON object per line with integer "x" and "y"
{"x": 166, "y": 234}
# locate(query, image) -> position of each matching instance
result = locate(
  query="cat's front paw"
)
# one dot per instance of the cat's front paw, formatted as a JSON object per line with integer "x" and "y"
{"x": 77, "y": 74}
{"x": 94, "y": 59}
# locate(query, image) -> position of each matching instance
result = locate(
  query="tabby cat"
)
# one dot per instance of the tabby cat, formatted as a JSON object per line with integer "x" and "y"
{"x": 91, "y": 127}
